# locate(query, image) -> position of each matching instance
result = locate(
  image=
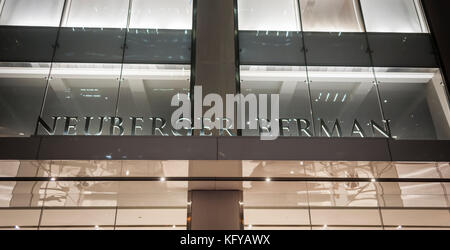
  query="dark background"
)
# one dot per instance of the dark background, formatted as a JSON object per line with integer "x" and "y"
{"x": 438, "y": 15}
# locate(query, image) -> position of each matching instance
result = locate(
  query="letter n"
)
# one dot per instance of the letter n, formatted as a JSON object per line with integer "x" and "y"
{"x": 47, "y": 128}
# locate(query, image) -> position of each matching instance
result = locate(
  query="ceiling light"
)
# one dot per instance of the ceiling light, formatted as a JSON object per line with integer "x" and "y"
{"x": 162, "y": 179}
{"x": 16, "y": 227}
{"x": 373, "y": 180}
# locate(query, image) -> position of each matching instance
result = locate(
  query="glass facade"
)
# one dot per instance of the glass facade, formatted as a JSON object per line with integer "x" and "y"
{"x": 341, "y": 203}
{"x": 85, "y": 63}
{"x": 341, "y": 69}
{"x": 363, "y": 75}
{"x": 346, "y": 205}
{"x": 111, "y": 67}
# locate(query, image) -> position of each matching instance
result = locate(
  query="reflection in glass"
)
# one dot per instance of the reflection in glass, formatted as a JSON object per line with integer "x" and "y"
{"x": 146, "y": 95}
{"x": 81, "y": 99}
{"x": 415, "y": 103}
{"x": 275, "y": 194}
{"x": 413, "y": 194}
{"x": 21, "y": 194}
{"x": 31, "y": 13}
{"x": 19, "y": 218}
{"x": 401, "y": 16}
{"x": 400, "y": 49}
{"x": 22, "y": 87}
{"x": 268, "y": 15}
{"x": 345, "y": 102}
{"x": 331, "y": 16}
{"x": 290, "y": 84}
{"x": 416, "y": 218}
{"x": 271, "y": 48}
{"x": 342, "y": 194}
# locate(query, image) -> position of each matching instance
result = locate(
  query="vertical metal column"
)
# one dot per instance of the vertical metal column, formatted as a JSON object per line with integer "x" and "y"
{"x": 215, "y": 205}
{"x": 215, "y": 210}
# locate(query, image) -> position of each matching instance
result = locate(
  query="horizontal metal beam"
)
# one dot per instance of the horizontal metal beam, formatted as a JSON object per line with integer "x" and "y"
{"x": 221, "y": 148}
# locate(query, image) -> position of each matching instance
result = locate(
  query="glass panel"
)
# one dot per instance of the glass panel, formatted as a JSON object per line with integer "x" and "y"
{"x": 402, "y": 50}
{"x": 116, "y": 193}
{"x": 337, "y": 49}
{"x": 152, "y": 217}
{"x": 153, "y": 194}
{"x": 274, "y": 168}
{"x": 358, "y": 169}
{"x": 80, "y": 168}
{"x": 16, "y": 168}
{"x": 345, "y": 102}
{"x": 258, "y": 217}
{"x": 88, "y": 218}
{"x": 158, "y": 46}
{"x": 268, "y": 15}
{"x": 425, "y": 217}
{"x": 156, "y": 14}
{"x": 444, "y": 169}
{"x": 156, "y": 168}
{"x": 345, "y": 217}
{"x": 146, "y": 95}
{"x": 331, "y": 15}
{"x": 345, "y": 227}
{"x": 21, "y": 194}
{"x": 271, "y": 48}
{"x": 275, "y": 194}
{"x": 412, "y": 170}
{"x": 93, "y": 45}
{"x": 342, "y": 194}
{"x": 72, "y": 168}
{"x": 393, "y": 16}
{"x": 19, "y": 218}
{"x": 31, "y": 13}
{"x": 81, "y": 100}
{"x": 415, "y": 103}
{"x": 81, "y": 194}
{"x": 278, "y": 227}
{"x": 413, "y": 194}
{"x": 27, "y": 44}
{"x": 290, "y": 83}
{"x": 22, "y": 87}
{"x": 96, "y": 14}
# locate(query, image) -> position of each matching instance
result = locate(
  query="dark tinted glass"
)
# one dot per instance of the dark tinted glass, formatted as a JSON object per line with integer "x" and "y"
{"x": 27, "y": 44}
{"x": 271, "y": 48}
{"x": 90, "y": 45}
{"x": 336, "y": 49}
{"x": 158, "y": 46}
{"x": 402, "y": 50}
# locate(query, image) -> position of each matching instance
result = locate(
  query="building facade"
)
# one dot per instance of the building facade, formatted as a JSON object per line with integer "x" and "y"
{"x": 88, "y": 89}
